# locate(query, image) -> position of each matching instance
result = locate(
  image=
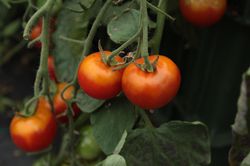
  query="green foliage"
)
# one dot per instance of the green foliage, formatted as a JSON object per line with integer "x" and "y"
{"x": 173, "y": 144}
{"x": 115, "y": 11}
{"x": 123, "y": 27}
{"x": 74, "y": 26}
{"x": 86, "y": 103}
{"x": 114, "y": 160}
{"x": 246, "y": 161}
{"x": 110, "y": 121}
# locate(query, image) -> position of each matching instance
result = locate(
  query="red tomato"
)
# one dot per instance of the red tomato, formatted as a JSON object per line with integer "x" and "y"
{"x": 59, "y": 104}
{"x": 151, "y": 90}
{"x": 37, "y": 30}
{"x": 97, "y": 79}
{"x": 203, "y": 12}
{"x": 35, "y": 33}
{"x": 51, "y": 68}
{"x": 37, "y": 132}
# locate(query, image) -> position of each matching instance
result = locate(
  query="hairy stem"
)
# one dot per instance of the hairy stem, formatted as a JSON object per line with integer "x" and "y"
{"x": 144, "y": 48}
{"x": 156, "y": 40}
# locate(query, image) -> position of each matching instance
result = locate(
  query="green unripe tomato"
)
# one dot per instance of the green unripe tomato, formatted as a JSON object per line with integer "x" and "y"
{"x": 88, "y": 149}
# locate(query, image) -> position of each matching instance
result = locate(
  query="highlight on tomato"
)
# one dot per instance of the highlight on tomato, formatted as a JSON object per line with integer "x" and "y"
{"x": 203, "y": 13}
{"x": 37, "y": 132}
{"x": 151, "y": 90}
{"x": 60, "y": 106}
{"x": 98, "y": 79}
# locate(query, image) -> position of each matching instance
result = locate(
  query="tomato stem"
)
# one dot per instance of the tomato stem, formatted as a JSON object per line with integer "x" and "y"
{"x": 144, "y": 48}
{"x": 88, "y": 42}
{"x": 156, "y": 40}
{"x": 42, "y": 73}
{"x": 145, "y": 117}
{"x": 160, "y": 9}
{"x": 124, "y": 45}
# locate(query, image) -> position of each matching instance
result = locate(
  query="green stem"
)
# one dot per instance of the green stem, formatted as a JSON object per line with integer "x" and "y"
{"x": 91, "y": 35}
{"x": 42, "y": 73}
{"x": 125, "y": 45}
{"x": 92, "y": 32}
{"x": 156, "y": 40}
{"x": 63, "y": 150}
{"x": 146, "y": 119}
{"x": 159, "y": 10}
{"x": 12, "y": 52}
{"x": 144, "y": 48}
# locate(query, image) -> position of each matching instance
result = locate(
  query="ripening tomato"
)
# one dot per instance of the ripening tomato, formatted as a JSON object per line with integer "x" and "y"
{"x": 35, "y": 33}
{"x": 97, "y": 79}
{"x": 151, "y": 90}
{"x": 37, "y": 30}
{"x": 51, "y": 68}
{"x": 59, "y": 104}
{"x": 203, "y": 13}
{"x": 37, "y": 132}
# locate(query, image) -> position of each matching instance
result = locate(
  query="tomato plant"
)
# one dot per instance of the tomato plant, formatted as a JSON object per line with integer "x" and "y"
{"x": 98, "y": 79}
{"x": 37, "y": 132}
{"x": 151, "y": 90}
{"x": 114, "y": 89}
{"x": 203, "y": 12}
{"x": 60, "y": 105}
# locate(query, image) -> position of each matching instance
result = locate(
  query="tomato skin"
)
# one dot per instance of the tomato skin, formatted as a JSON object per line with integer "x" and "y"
{"x": 35, "y": 33}
{"x": 97, "y": 79}
{"x": 203, "y": 13}
{"x": 37, "y": 132}
{"x": 37, "y": 30}
{"x": 151, "y": 90}
{"x": 51, "y": 68}
{"x": 60, "y": 106}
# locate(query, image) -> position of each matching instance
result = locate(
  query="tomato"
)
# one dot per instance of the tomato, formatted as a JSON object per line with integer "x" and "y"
{"x": 35, "y": 33}
{"x": 60, "y": 106}
{"x": 37, "y": 30}
{"x": 97, "y": 79}
{"x": 88, "y": 149}
{"x": 51, "y": 68}
{"x": 151, "y": 90}
{"x": 36, "y": 132}
{"x": 203, "y": 13}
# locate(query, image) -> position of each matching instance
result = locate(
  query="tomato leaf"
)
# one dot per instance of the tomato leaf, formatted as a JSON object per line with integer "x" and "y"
{"x": 124, "y": 26}
{"x": 110, "y": 122}
{"x": 114, "y": 160}
{"x": 86, "y": 103}
{"x": 173, "y": 144}
{"x": 241, "y": 142}
{"x": 73, "y": 26}
{"x": 246, "y": 161}
{"x": 117, "y": 10}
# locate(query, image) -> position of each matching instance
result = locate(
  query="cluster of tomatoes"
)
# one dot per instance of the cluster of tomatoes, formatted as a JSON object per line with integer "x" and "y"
{"x": 149, "y": 90}
{"x": 36, "y": 132}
